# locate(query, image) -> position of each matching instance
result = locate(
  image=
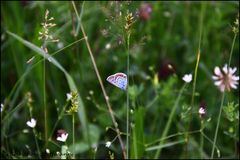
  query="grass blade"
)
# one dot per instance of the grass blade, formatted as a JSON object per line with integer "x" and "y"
{"x": 81, "y": 111}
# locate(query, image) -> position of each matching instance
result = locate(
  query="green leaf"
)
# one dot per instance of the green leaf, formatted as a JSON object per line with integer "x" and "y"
{"x": 64, "y": 149}
{"x": 79, "y": 147}
{"x": 138, "y": 134}
{"x": 94, "y": 133}
{"x": 71, "y": 83}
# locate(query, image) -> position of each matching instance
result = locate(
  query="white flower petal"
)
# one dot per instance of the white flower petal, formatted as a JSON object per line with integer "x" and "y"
{"x": 215, "y": 77}
{"x": 225, "y": 69}
{"x": 233, "y": 85}
{"x": 201, "y": 111}
{"x": 63, "y": 137}
{"x": 217, "y": 71}
{"x": 235, "y": 78}
{"x": 217, "y": 83}
{"x": 232, "y": 71}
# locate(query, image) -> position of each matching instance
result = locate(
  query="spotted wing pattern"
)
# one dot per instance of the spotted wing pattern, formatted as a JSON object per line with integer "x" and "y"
{"x": 119, "y": 80}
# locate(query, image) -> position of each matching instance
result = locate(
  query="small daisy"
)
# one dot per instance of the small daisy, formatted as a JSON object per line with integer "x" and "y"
{"x": 62, "y": 135}
{"x": 187, "y": 78}
{"x": 225, "y": 78}
{"x": 108, "y": 144}
{"x": 32, "y": 123}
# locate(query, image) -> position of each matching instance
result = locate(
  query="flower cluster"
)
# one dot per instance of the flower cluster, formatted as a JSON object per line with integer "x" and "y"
{"x": 145, "y": 11}
{"x": 235, "y": 27}
{"x": 47, "y": 24}
{"x": 73, "y": 97}
{"x": 129, "y": 21}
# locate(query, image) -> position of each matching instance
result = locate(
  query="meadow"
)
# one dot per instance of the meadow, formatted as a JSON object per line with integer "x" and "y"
{"x": 120, "y": 80}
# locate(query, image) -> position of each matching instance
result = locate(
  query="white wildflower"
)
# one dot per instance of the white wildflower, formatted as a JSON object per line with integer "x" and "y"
{"x": 62, "y": 135}
{"x": 201, "y": 111}
{"x": 187, "y": 78}
{"x": 32, "y": 123}
{"x": 108, "y": 144}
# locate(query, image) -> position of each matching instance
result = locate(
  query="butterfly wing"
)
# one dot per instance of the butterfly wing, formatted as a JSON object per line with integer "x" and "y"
{"x": 119, "y": 80}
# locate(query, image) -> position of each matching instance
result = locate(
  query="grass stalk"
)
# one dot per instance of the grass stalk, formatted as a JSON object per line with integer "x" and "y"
{"x": 128, "y": 61}
{"x": 101, "y": 83}
{"x": 73, "y": 133}
{"x": 195, "y": 75}
{"x": 233, "y": 43}
{"x": 169, "y": 122}
{"x": 201, "y": 138}
{"x": 44, "y": 100}
{"x": 218, "y": 122}
{"x": 37, "y": 145}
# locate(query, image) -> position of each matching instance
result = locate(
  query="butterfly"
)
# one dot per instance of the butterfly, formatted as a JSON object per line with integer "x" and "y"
{"x": 119, "y": 80}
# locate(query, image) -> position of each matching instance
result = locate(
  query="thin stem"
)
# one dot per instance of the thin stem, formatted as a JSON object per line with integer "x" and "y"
{"x": 101, "y": 84}
{"x": 233, "y": 43}
{"x": 34, "y": 131}
{"x": 201, "y": 138}
{"x": 128, "y": 134}
{"x": 44, "y": 92}
{"x": 44, "y": 100}
{"x": 104, "y": 92}
{"x": 205, "y": 136}
{"x": 36, "y": 141}
{"x": 218, "y": 122}
{"x": 195, "y": 72}
{"x": 170, "y": 136}
{"x": 73, "y": 133}
{"x": 169, "y": 122}
{"x": 56, "y": 123}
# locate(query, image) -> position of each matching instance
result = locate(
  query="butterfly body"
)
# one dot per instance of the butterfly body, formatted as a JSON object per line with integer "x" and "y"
{"x": 119, "y": 80}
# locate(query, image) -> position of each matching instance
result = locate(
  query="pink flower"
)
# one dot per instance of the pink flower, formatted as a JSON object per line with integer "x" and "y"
{"x": 62, "y": 135}
{"x": 145, "y": 11}
{"x": 225, "y": 78}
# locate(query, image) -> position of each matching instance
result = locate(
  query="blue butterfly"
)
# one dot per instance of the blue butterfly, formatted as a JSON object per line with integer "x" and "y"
{"x": 119, "y": 80}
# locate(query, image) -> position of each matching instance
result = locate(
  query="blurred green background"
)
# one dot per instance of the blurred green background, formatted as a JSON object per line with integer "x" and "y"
{"x": 170, "y": 35}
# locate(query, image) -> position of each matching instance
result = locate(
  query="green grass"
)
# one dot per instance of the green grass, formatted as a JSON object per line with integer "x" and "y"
{"x": 156, "y": 117}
